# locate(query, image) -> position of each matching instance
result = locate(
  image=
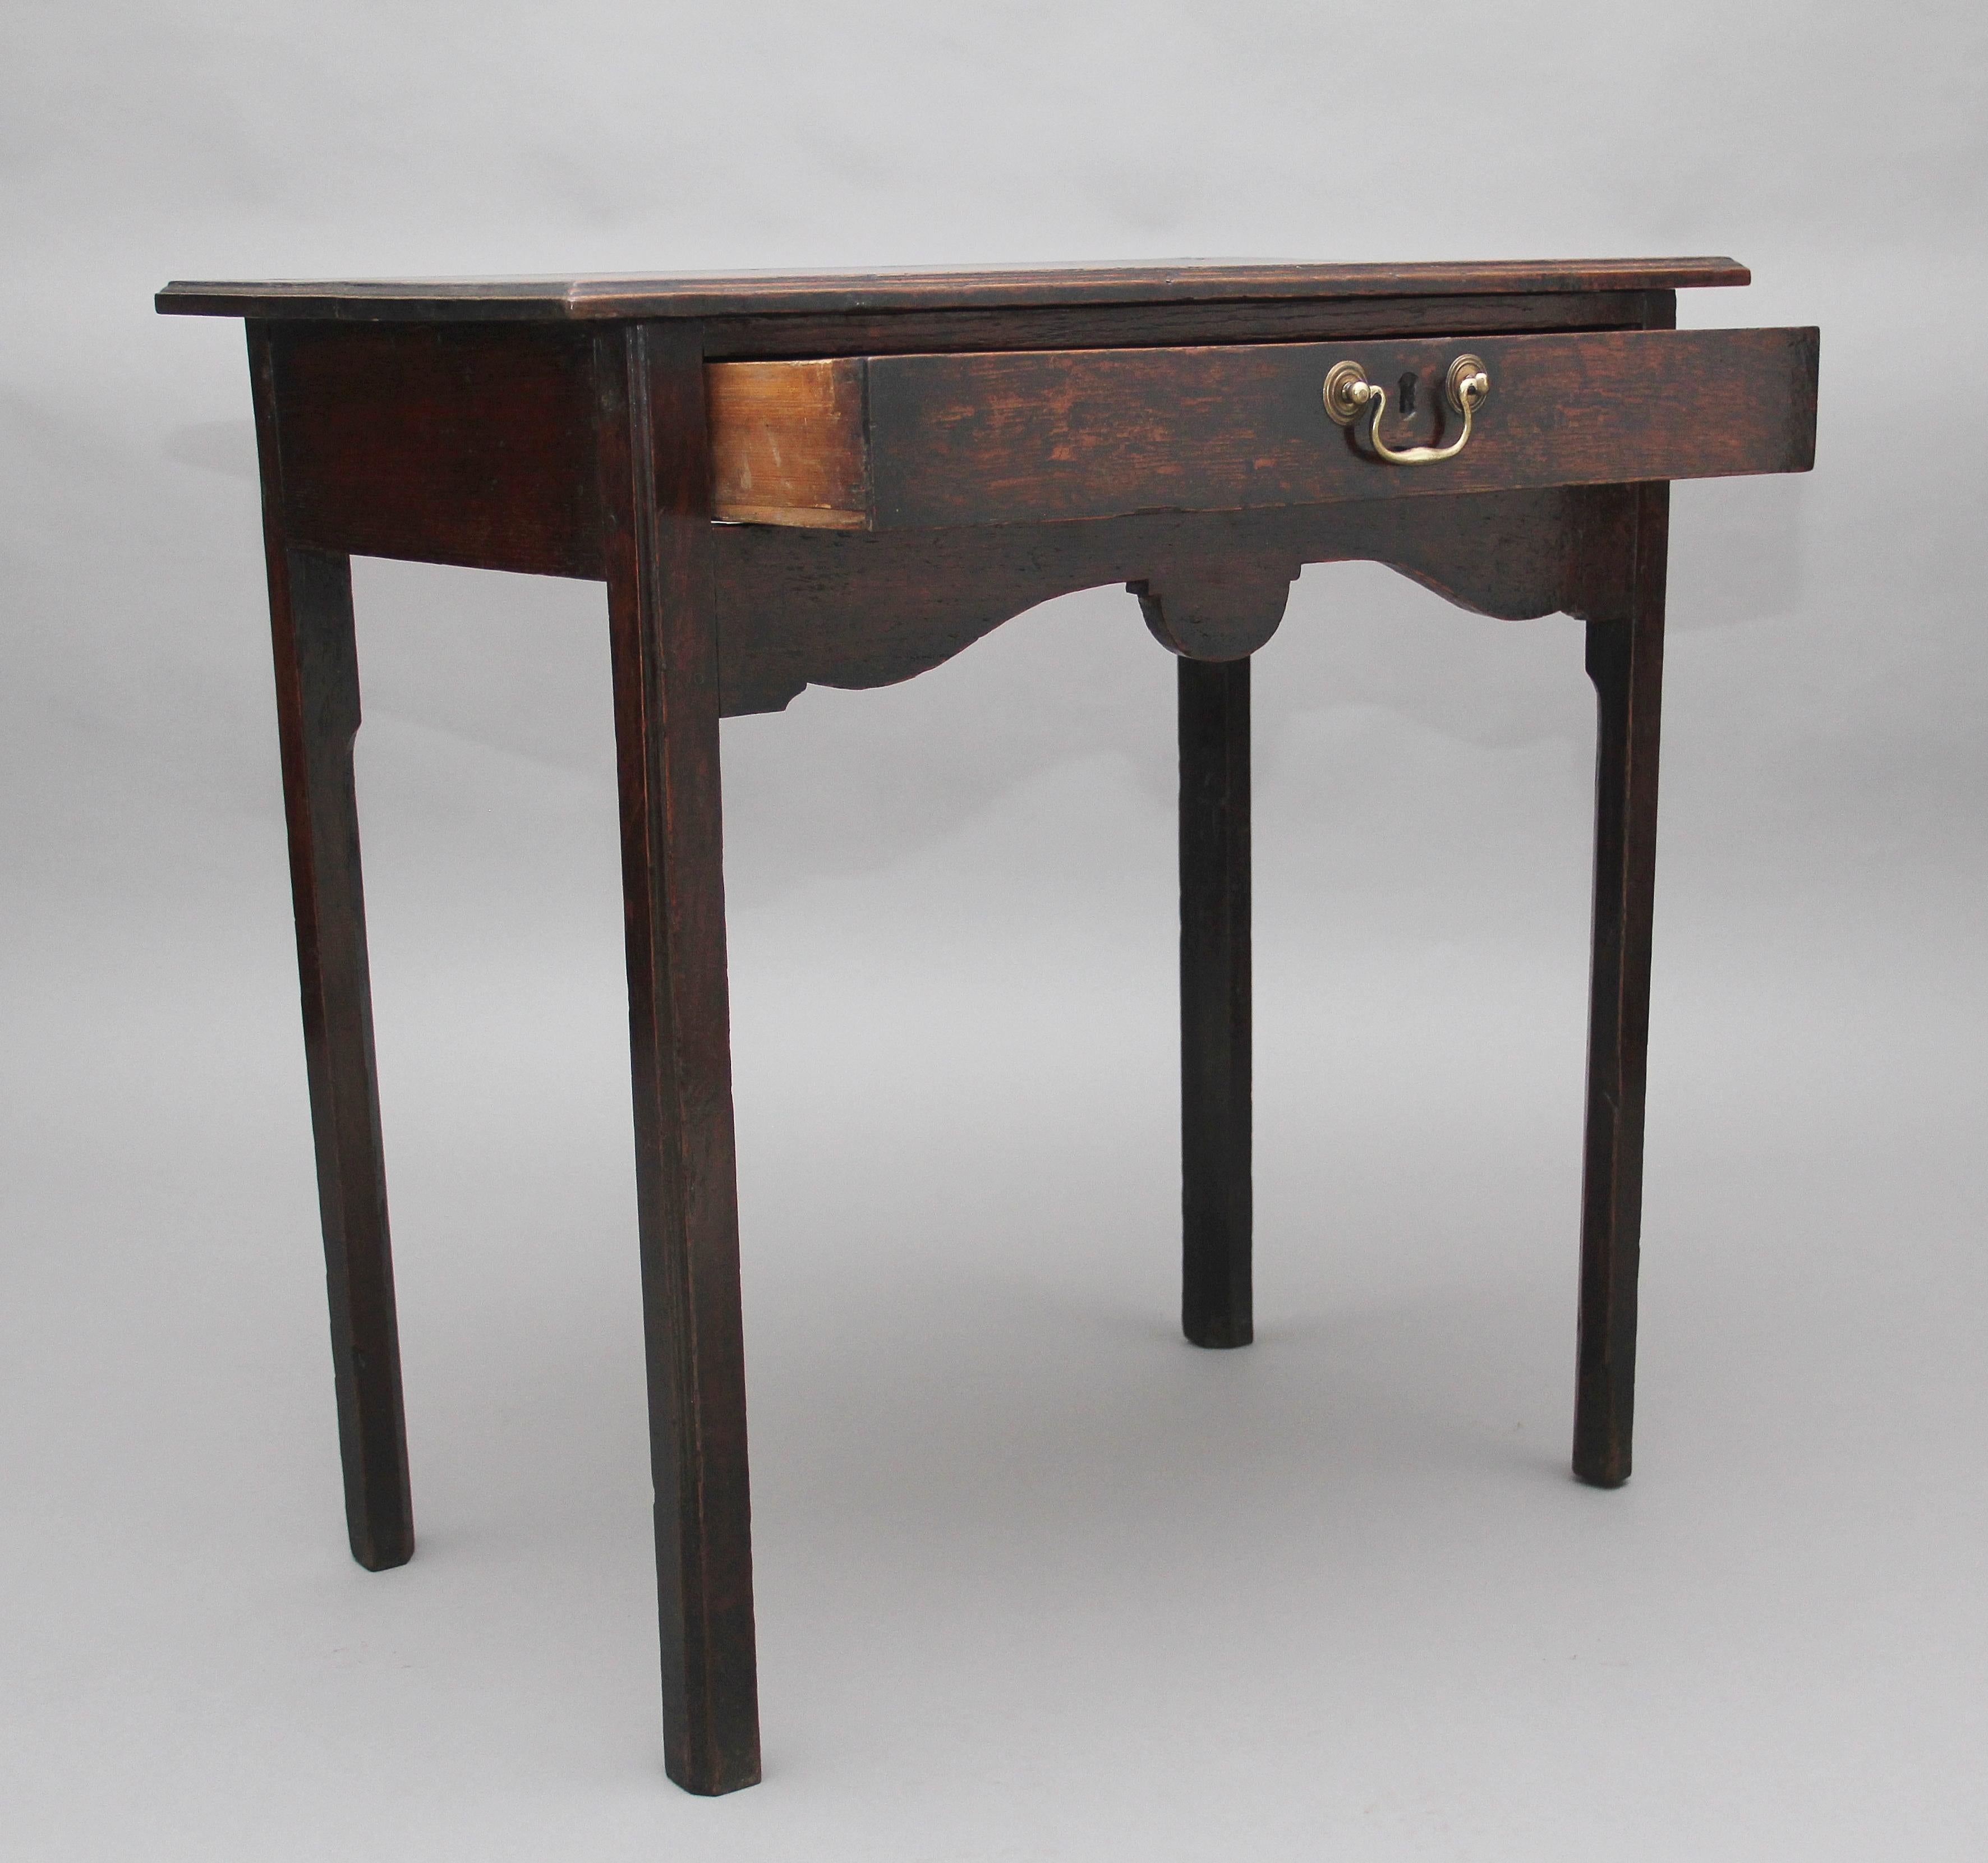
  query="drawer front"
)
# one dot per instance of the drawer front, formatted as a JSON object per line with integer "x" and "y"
{"x": 894, "y": 442}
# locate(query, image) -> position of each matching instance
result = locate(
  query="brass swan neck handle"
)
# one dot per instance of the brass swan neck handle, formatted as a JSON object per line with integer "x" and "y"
{"x": 1347, "y": 391}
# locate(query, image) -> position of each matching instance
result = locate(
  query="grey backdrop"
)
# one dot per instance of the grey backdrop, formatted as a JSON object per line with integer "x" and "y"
{"x": 1036, "y": 1579}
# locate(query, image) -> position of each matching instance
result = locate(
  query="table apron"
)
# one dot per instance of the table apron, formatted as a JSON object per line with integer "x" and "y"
{"x": 476, "y": 445}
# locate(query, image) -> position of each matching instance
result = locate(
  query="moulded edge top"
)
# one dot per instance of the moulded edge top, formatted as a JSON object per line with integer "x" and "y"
{"x": 734, "y": 294}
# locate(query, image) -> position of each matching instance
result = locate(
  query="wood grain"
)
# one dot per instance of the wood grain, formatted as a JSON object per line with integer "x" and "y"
{"x": 468, "y": 446}
{"x": 707, "y": 295}
{"x": 945, "y": 450}
{"x": 1087, "y": 326}
{"x": 1018, "y": 438}
{"x": 655, "y": 494}
{"x": 1216, "y": 607}
{"x": 787, "y": 442}
{"x": 868, "y": 608}
{"x": 317, "y": 719}
{"x": 475, "y": 445}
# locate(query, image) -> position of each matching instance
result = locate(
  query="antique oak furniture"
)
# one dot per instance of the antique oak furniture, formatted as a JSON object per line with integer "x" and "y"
{"x": 844, "y": 479}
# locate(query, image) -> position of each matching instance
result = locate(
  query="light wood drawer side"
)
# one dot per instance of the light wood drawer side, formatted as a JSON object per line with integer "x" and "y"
{"x": 787, "y": 442}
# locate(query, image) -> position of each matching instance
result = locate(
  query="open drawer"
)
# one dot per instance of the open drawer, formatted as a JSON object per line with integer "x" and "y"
{"x": 895, "y": 442}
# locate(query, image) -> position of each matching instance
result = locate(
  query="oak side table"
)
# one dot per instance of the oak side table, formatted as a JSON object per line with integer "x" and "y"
{"x": 845, "y": 479}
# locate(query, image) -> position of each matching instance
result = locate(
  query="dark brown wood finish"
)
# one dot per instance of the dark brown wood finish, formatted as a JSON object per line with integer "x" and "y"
{"x": 1215, "y": 1182}
{"x": 704, "y": 296}
{"x": 1125, "y": 424}
{"x": 1218, "y": 609}
{"x": 438, "y": 444}
{"x": 860, "y": 609}
{"x": 1090, "y": 326}
{"x": 1009, "y": 438}
{"x": 1625, "y": 659}
{"x": 471, "y": 444}
{"x": 655, "y": 495}
{"x": 317, "y": 719}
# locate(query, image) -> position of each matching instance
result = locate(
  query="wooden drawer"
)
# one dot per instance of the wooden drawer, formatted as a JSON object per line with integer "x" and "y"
{"x": 898, "y": 442}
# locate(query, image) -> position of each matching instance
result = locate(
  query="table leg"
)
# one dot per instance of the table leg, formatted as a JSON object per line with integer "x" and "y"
{"x": 317, "y": 719}
{"x": 1215, "y": 1188}
{"x": 655, "y": 484}
{"x": 317, "y": 700}
{"x": 1625, "y": 659}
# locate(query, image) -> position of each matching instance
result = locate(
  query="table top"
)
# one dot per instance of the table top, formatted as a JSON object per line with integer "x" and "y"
{"x": 715, "y": 294}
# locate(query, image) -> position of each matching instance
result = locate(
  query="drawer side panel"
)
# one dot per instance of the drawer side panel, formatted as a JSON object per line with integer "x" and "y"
{"x": 787, "y": 442}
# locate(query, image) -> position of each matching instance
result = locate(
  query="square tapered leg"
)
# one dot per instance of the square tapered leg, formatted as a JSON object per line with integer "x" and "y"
{"x": 1625, "y": 659}
{"x": 1215, "y": 1184}
{"x": 317, "y": 713}
{"x": 655, "y": 491}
